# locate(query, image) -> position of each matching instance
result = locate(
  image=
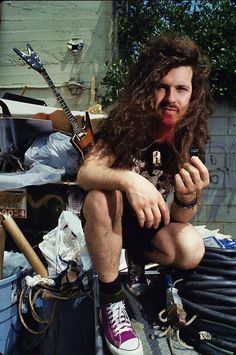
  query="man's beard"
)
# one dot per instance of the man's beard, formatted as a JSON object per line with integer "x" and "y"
{"x": 166, "y": 128}
{"x": 168, "y": 119}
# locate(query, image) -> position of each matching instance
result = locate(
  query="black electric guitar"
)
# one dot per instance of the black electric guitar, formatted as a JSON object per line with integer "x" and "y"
{"x": 83, "y": 138}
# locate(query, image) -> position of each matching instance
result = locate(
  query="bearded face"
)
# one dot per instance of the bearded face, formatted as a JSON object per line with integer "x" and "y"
{"x": 173, "y": 94}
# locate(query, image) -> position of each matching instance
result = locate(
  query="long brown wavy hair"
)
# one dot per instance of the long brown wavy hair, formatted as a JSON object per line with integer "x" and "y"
{"x": 130, "y": 126}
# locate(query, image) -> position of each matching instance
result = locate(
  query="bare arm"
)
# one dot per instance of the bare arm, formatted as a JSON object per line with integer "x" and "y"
{"x": 96, "y": 174}
{"x": 191, "y": 180}
{"x": 147, "y": 202}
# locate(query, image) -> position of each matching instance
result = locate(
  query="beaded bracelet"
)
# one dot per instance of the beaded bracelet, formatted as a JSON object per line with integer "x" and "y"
{"x": 185, "y": 205}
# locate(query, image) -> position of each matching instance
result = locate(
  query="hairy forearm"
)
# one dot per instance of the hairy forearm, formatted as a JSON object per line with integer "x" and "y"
{"x": 95, "y": 174}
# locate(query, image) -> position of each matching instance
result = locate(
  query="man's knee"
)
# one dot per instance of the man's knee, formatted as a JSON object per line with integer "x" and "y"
{"x": 181, "y": 244}
{"x": 93, "y": 201}
{"x": 102, "y": 205}
{"x": 190, "y": 249}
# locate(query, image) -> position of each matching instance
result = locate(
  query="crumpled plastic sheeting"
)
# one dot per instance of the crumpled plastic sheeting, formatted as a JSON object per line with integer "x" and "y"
{"x": 54, "y": 150}
{"x": 13, "y": 263}
{"x": 65, "y": 243}
{"x": 38, "y": 175}
{"x": 48, "y": 159}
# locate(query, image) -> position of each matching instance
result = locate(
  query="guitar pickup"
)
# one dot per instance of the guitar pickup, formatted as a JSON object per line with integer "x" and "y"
{"x": 81, "y": 135}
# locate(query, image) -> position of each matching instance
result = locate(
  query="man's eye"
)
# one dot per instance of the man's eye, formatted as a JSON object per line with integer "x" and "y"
{"x": 182, "y": 89}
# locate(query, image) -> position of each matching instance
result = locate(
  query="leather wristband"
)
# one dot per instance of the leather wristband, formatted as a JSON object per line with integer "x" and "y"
{"x": 185, "y": 205}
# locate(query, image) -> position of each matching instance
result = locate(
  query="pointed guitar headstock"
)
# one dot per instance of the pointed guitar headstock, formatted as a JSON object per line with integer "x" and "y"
{"x": 31, "y": 58}
{"x": 83, "y": 139}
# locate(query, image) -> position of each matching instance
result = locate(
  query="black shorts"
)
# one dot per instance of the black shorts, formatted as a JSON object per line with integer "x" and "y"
{"x": 136, "y": 239}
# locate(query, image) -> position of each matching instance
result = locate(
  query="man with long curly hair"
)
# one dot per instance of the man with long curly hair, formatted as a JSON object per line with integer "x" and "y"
{"x": 143, "y": 152}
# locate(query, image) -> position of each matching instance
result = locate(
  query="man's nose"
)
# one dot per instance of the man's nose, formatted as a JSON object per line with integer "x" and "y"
{"x": 171, "y": 95}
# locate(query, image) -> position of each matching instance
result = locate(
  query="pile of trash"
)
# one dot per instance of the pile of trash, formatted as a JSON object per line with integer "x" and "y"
{"x": 32, "y": 153}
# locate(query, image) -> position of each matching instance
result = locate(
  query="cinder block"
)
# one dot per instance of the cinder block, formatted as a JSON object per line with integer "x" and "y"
{"x": 218, "y": 125}
{"x": 218, "y": 179}
{"x": 222, "y": 109}
{"x": 232, "y": 125}
{"x": 219, "y": 197}
{"x": 201, "y": 215}
{"x": 230, "y": 229}
{"x": 232, "y": 162}
{"x": 222, "y": 179}
{"x": 222, "y": 214}
{"x": 222, "y": 144}
{"x": 216, "y": 161}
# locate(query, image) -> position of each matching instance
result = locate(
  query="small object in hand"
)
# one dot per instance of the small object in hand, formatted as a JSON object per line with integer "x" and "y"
{"x": 193, "y": 152}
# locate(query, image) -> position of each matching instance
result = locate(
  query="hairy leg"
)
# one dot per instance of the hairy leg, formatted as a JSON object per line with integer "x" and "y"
{"x": 177, "y": 244}
{"x": 103, "y": 211}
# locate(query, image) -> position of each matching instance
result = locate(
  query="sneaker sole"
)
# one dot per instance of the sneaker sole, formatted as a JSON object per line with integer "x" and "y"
{"x": 116, "y": 351}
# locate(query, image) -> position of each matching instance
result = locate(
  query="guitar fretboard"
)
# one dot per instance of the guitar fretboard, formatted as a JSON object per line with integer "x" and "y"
{"x": 61, "y": 101}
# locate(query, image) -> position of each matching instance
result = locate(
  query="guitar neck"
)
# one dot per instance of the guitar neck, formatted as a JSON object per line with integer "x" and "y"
{"x": 61, "y": 101}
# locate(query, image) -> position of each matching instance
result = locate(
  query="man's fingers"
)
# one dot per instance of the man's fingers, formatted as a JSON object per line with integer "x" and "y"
{"x": 180, "y": 184}
{"x": 141, "y": 217}
{"x": 192, "y": 177}
{"x": 203, "y": 171}
{"x": 187, "y": 179}
{"x": 157, "y": 216}
{"x": 149, "y": 215}
{"x": 165, "y": 213}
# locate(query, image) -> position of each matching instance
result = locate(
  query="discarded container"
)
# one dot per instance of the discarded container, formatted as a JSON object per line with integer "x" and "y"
{"x": 72, "y": 330}
{"x": 10, "y": 324}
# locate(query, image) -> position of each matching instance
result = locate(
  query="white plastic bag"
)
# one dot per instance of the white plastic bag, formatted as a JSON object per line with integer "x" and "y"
{"x": 65, "y": 243}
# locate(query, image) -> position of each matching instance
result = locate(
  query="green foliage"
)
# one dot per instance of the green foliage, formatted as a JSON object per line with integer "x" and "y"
{"x": 114, "y": 81}
{"x": 212, "y": 24}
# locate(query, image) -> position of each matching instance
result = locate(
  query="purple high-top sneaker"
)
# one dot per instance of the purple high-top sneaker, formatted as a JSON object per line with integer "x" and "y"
{"x": 119, "y": 334}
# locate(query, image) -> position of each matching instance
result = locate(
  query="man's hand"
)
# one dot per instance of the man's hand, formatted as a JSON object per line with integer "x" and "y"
{"x": 191, "y": 179}
{"x": 147, "y": 202}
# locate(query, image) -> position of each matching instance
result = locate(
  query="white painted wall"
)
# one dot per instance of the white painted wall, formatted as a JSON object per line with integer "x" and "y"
{"x": 48, "y": 26}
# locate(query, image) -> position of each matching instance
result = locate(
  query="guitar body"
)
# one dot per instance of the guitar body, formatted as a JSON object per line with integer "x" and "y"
{"x": 84, "y": 144}
{"x": 84, "y": 139}
{"x": 59, "y": 120}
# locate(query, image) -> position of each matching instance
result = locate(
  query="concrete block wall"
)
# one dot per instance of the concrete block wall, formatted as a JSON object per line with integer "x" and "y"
{"x": 218, "y": 206}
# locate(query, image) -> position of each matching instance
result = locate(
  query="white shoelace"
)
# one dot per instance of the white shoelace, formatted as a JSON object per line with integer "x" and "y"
{"x": 118, "y": 317}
